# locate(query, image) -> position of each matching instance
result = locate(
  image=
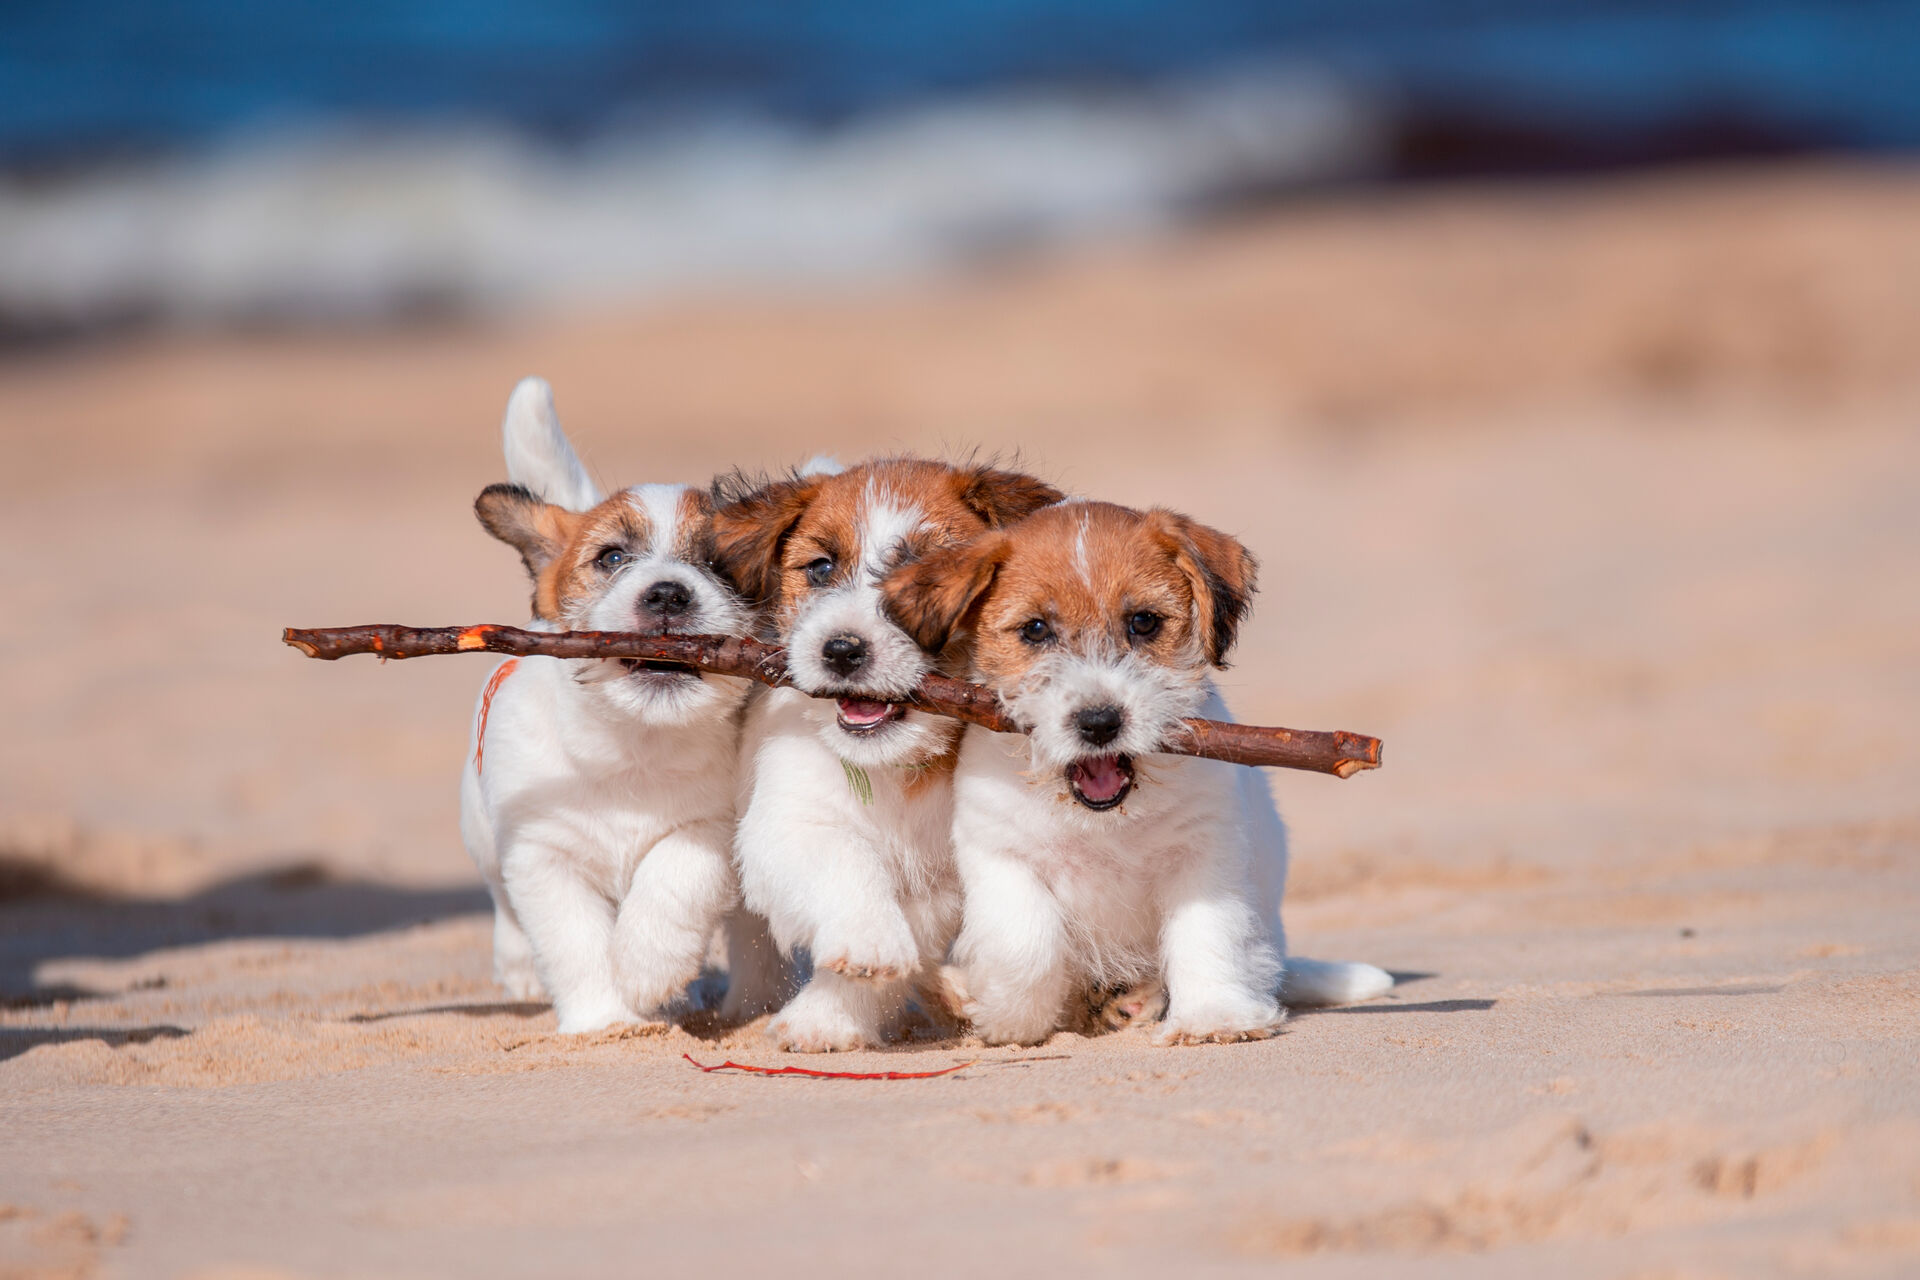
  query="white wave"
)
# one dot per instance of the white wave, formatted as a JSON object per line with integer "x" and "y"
{"x": 348, "y": 226}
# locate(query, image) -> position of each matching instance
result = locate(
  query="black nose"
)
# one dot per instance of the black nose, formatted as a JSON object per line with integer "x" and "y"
{"x": 666, "y": 598}
{"x": 844, "y": 655}
{"x": 1100, "y": 725}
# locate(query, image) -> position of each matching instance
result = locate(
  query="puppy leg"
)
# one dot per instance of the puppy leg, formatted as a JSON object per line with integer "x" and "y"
{"x": 1220, "y": 971}
{"x": 680, "y": 891}
{"x": 1012, "y": 949}
{"x": 759, "y": 978}
{"x": 513, "y": 966}
{"x": 825, "y": 888}
{"x": 834, "y": 1014}
{"x": 570, "y": 926}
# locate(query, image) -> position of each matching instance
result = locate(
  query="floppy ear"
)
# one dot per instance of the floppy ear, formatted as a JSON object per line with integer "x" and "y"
{"x": 930, "y": 598}
{"x": 1218, "y": 569}
{"x": 538, "y": 530}
{"x": 1002, "y": 497}
{"x": 750, "y": 525}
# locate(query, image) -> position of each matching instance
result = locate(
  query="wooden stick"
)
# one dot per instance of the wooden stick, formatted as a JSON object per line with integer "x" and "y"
{"x": 1316, "y": 750}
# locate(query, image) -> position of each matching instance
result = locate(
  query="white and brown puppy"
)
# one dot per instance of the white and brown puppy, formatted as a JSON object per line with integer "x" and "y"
{"x": 598, "y": 799}
{"x": 1087, "y": 857}
{"x": 844, "y": 842}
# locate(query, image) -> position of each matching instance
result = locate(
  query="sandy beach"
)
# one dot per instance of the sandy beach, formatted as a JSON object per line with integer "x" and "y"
{"x": 1599, "y": 502}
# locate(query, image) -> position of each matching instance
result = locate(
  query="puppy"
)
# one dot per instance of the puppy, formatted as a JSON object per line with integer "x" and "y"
{"x": 1088, "y": 859}
{"x": 598, "y": 797}
{"x": 844, "y": 840}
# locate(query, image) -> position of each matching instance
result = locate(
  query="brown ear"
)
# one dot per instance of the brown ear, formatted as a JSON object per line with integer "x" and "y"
{"x": 1002, "y": 497}
{"x": 750, "y": 525}
{"x": 931, "y": 598}
{"x": 1219, "y": 570}
{"x": 538, "y": 530}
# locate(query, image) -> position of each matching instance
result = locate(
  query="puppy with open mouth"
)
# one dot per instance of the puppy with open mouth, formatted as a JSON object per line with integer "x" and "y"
{"x": 844, "y": 841}
{"x": 598, "y": 798}
{"x": 1088, "y": 858}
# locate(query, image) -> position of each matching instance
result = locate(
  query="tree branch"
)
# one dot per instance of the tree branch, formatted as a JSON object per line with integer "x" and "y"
{"x": 1317, "y": 750}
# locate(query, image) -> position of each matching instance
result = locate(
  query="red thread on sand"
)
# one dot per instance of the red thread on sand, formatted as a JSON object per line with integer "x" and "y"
{"x": 731, "y": 1065}
{"x": 504, "y": 670}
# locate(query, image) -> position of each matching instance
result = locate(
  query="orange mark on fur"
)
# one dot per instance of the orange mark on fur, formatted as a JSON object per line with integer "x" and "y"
{"x": 498, "y": 678}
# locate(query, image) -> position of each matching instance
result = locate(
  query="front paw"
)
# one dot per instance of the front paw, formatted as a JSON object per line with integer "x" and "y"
{"x": 882, "y": 952}
{"x": 519, "y": 980}
{"x": 651, "y": 988}
{"x": 813, "y": 1024}
{"x": 1225, "y": 1022}
{"x": 1004, "y": 1026}
{"x": 585, "y": 1019}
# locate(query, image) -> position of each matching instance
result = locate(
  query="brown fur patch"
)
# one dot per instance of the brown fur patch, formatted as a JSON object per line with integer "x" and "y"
{"x": 766, "y": 538}
{"x": 517, "y": 516}
{"x": 693, "y": 539}
{"x": 1220, "y": 571}
{"x": 750, "y": 527}
{"x": 933, "y": 599}
{"x": 1085, "y": 570}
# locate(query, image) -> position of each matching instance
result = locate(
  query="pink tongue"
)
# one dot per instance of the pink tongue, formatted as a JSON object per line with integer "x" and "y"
{"x": 1100, "y": 778}
{"x": 862, "y": 710}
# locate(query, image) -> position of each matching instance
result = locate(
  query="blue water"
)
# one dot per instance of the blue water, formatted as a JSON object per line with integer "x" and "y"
{"x": 83, "y": 77}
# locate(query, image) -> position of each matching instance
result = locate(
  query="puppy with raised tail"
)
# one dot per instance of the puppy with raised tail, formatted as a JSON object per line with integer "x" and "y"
{"x": 598, "y": 797}
{"x": 844, "y": 840}
{"x": 1089, "y": 859}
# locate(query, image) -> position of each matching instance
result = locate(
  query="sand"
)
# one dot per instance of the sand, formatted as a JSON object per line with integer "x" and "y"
{"x": 1599, "y": 502}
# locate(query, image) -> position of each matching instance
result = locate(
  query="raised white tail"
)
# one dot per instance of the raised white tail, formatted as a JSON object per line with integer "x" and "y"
{"x": 1318, "y": 982}
{"x": 539, "y": 455}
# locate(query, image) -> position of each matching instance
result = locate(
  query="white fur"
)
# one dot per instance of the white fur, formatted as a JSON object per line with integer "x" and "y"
{"x": 539, "y": 455}
{"x": 1181, "y": 884}
{"x": 1153, "y": 698}
{"x": 866, "y": 885}
{"x": 601, "y": 812}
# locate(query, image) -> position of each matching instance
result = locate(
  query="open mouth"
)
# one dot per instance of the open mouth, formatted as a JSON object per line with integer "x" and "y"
{"x": 1100, "y": 782}
{"x": 866, "y": 715}
{"x": 653, "y": 667}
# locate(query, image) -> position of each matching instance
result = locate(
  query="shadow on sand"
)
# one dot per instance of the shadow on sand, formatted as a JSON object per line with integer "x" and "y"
{"x": 43, "y": 918}
{"x": 1430, "y": 1006}
{"x": 15, "y": 1041}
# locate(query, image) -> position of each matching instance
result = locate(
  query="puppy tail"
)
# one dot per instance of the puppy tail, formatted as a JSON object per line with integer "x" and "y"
{"x": 1316, "y": 982}
{"x": 538, "y": 453}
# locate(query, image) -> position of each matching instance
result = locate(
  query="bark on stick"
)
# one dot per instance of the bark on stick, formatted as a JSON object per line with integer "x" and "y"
{"x": 1336, "y": 752}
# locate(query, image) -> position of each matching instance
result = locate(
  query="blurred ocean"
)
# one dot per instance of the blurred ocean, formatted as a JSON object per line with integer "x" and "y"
{"x": 224, "y": 161}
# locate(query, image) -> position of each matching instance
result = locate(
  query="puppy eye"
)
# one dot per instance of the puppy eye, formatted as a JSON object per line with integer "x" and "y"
{"x": 610, "y": 558}
{"x": 1144, "y": 625}
{"x": 820, "y": 572}
{"x": 1036, "y": 631}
